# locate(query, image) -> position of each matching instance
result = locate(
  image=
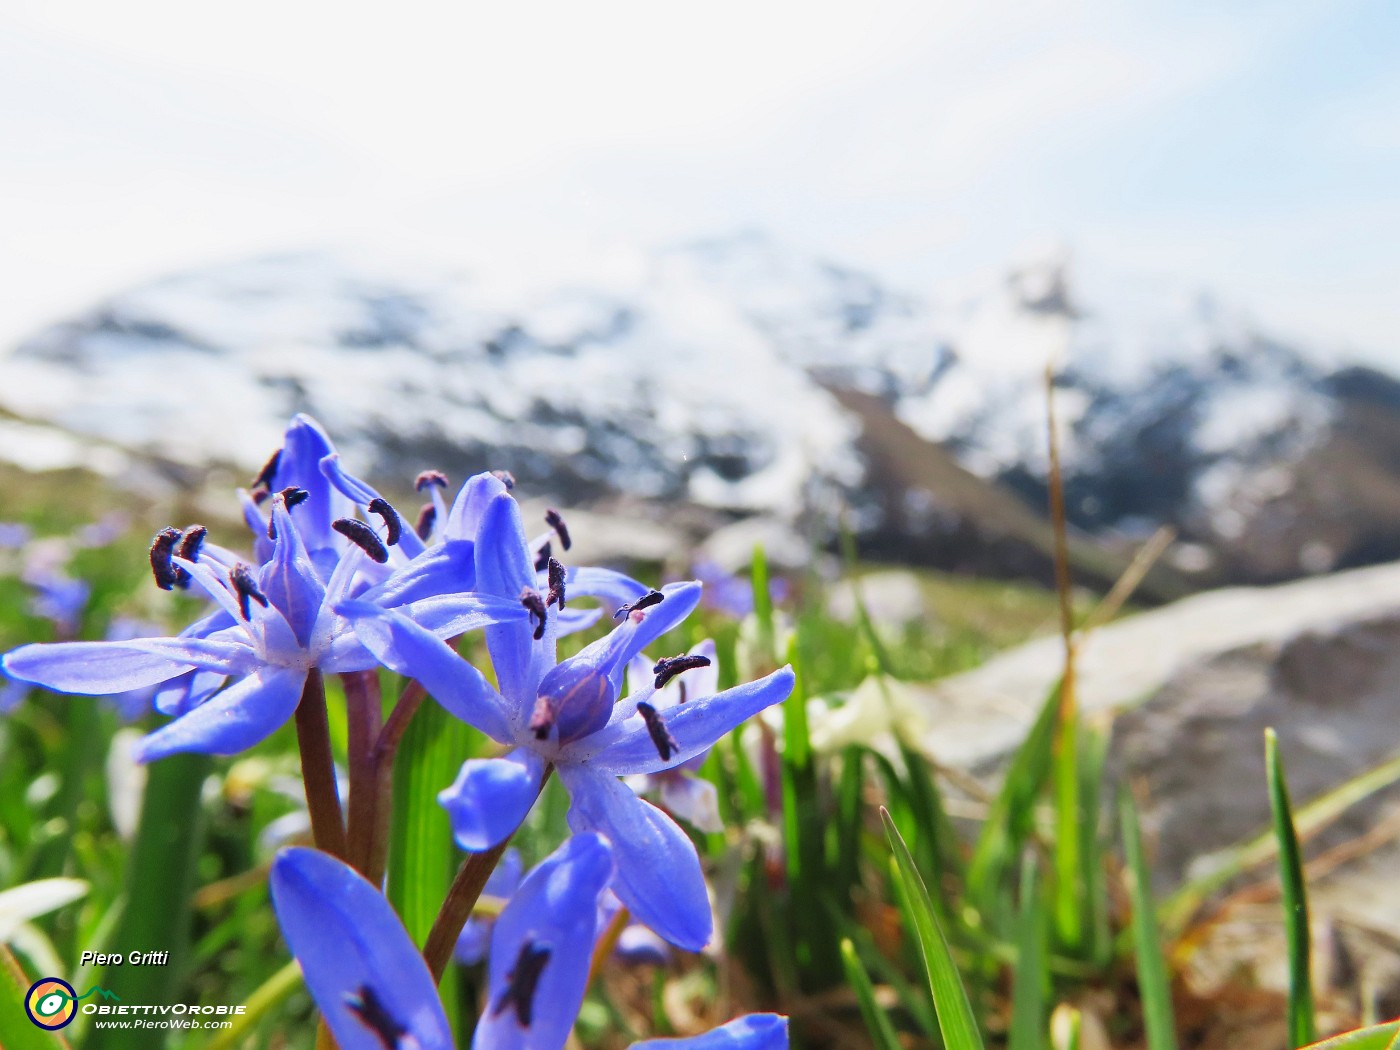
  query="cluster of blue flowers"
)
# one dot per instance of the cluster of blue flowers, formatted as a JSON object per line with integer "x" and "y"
{"x": 337, "y": 582}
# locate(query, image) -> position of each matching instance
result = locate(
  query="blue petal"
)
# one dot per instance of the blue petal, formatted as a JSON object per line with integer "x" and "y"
{"x": 348, "y": 940}
{"x": 614, "y": 587}
{"x": 447, "y": 568}
{"x": 658, "y": 873}
{"x": 242, "y": 715}
{"x": 464, "y": 520}
{"x": 289, "y": 579}
{"x": 555, "y": 909}
{"x": 626, "y": 746}
{"x": 303, "y": 448}
{"x": 91, "y": 668}
{"x": 450, "y": 615}
{"x": 751, "y": 1032}
{"x": 183, "y": 694}
{"x": 491, "y": 796}
{"x": 504, "y": 568}
{"x": 401, "y": 645}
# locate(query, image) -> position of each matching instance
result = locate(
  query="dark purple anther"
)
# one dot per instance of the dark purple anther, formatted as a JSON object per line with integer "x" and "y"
{"x": 542, "y": 558}
{"x": 522, "y": 981}
{"x": 167, "y": 574}
{"x": 292, "y": 496}
{"x": 646, "y": 601}
{"x": 505, "y": 477}
{"x": 269, "y": 470}
{"x": 666, "y": 745}
{"x": 429, "y": 477}
{"x": 371, "y": 1013}
{"x": 555, "y": 522}
{"x": 668, "y": 668}
{"x": 191, "y": 542}
{"x": 427, "y": 514}
{"x": 259, "y": 497}
{"x": 246, "y": 587}
{"x": 530, "y": 598}
{"x": 392, "y": 522}
{"x": 556, "y": 584}
{"x": 362, "y": 536}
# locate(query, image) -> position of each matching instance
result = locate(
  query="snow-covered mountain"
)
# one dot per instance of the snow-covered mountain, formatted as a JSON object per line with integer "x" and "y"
{"x": 710, "y": 373}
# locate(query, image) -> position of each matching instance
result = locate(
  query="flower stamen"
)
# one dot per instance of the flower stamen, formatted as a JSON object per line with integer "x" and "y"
{"x": 362, "y": 536}
{"x": 427, "y": 514}
{"x": 555, "y": 521}
{"x": 646, "y": 601}
{"x": 246, "y": 587}
{"x": 530, "y": 598}
{"x": 666, "y": 745}
{"x": 191, "y": 542}
{"x": 556, "y": 584}
{"x": 167, "y": 574}
{"x": 429, "y": 477}
{"x": 668, "y": 668}
{"x": 505, "y": 477}
{"x": 393, "y": 524}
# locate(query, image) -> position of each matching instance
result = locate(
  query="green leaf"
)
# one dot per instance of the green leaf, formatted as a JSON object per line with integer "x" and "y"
{"x": 1381, "y": 1037}
{"x": 955, "y": 1019}
{"x": 877, "y": 1022}
{"x": 1153, "y": 983}
{"x": 422, "y": 854}
{"x": 20, "y": 1032}
{"x": 1010, "y": 821}
{"x": 160, "y": 882}
{"x": 1068, "y": 850}
{"x": 1302, "y": 1022}
{"x": 1029, "y": 988}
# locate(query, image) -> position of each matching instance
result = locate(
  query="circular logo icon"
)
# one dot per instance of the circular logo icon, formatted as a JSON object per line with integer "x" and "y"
{"x": 51, "y": 1003}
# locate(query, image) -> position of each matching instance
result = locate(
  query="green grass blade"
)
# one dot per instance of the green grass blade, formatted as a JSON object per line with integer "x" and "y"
{"x": 1302, "y": 1020}
{"x": 422, "y": 854}
{"x": 996, "y": 857}
{"x": 955, "y": 1018}
{"x": 1070, "y": 925}
{"x": 877, "y": 1022}
{"x": 160, "y": 880}
{"x": 1381, "y": 1037}
{"x": 1316, "y": 814}
{"x": 1153, "y": 983}
{"x": 1028, "y": 996}
{"x": 20, "y": 1033}
{"x": 1094, "y": 754}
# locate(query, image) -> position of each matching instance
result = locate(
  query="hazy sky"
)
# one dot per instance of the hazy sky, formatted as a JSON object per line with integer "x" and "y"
{"x": 1250, "y": 147}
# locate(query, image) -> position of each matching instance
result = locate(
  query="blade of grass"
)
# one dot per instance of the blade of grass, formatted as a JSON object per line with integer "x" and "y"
{"x": 160, "y": 880}
{"x": 1302, "y": 1021}
{"x": 1094, "y": 754}
{"x": 1029, "y": 987}
{"x": 955, "y": 1018}
{"x": 20, "y": 1032}
{"x": 1381, "y": 1037}
{"x": 1153, "y": 984}
{"x": 1010, "y": 821}
{"x": 877, "y": 1022}
{"x": 268, "y": 996}
{"x": 1309, "y": 819}
{"x": 422, "y": 854}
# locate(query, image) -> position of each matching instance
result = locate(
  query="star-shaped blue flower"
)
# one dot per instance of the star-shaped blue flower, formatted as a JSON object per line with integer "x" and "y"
{"x": 274, "y": 625}
{"x": 566, "y": 715}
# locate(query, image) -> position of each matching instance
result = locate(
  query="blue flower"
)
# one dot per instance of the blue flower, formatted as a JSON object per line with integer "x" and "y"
{"x": 376, "y": 993}
{"x": 475, "y": 938}
{"x": 565, "y": 715}
{"x": 372, "y": 986}
{"x": 273, "y": 627}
